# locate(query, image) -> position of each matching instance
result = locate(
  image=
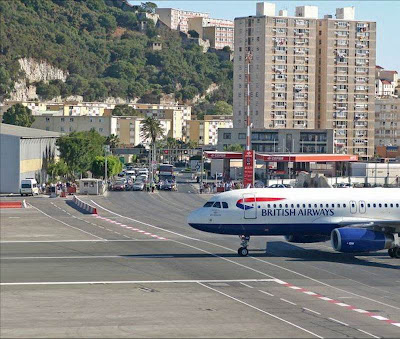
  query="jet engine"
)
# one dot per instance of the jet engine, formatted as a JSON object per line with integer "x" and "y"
{"x": 353, "y": 240}
{"x": 305, "y": 239}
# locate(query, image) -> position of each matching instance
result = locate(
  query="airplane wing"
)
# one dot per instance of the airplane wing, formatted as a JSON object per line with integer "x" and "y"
{"x": 392, "y": 226}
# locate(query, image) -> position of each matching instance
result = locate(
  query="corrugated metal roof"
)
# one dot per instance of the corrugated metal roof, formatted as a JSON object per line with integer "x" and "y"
{"x": 26, "y": 132}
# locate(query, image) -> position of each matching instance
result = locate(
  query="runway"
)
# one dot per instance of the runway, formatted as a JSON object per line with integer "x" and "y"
{"x": 138, "y": 270}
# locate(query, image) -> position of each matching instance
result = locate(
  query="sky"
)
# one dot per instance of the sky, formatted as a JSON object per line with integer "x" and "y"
{"x": 385, "y": 13}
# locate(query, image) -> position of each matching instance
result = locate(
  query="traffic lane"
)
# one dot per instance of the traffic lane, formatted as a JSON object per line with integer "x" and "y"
{"x": 104, "y": 261}
{"x": 30, "y": 224}
{"x": 130, "y": 310}
{"x": 288, "y": 269}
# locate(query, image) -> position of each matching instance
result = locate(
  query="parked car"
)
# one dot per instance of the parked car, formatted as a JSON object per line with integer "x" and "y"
{"x": 280, "y": 186}
{"x": 138, "y": 185}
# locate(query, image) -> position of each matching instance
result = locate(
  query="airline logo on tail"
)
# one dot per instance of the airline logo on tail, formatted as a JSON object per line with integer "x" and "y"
{"x": 244, "y": 203}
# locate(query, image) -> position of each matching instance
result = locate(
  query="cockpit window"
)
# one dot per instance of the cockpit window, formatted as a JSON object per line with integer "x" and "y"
{"x": 224, "y": 204}
{"x": 208, "y": 204}
{"x": 217, "y": 204}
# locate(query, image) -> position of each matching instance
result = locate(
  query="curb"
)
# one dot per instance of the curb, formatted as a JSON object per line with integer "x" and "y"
{"x": 83, "y": 205}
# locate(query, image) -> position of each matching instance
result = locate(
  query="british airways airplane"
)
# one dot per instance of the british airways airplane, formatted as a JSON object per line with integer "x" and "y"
{"x": 354, "y": 219}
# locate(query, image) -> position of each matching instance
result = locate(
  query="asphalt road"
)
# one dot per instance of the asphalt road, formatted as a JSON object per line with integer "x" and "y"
{"x": 138, "y": 270}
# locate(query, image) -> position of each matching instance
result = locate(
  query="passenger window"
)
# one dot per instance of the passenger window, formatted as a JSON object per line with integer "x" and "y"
{"x": 333, "y": 205}
{"x": 322, "y": 205}
{"x": 344, "y": 205}
{"x": 327, "y": 205}
{"x": 385, "y": 205}
{"x": 391, "y": 205}
{"x": 352, "y": 205}
{"x": 368, "y": 205}
{"x": 280, "y": 205}
{"x": 217, "y": 204}
{"x": 338, "y": 205}
{"x": 397, "y": 205}
{"x": 380, "y": 205}
{"x": 274, "y": 205}
{"x": 286, "y": 205}
{"x": 309, "y": 205}
{"x": 292, "y": 205}
{"x": 315, "y": 205}
{"x": 224, "y": 205}
{"x": 304, "y": 205}
{"x": 208, "y": 204}
{"x": 374, "y": 205}
{"x": 269, "y": 206}
{"x": 298, "y": 205}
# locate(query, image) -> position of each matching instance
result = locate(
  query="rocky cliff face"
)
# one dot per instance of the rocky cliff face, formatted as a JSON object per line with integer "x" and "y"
{"x": 34, "y": 71}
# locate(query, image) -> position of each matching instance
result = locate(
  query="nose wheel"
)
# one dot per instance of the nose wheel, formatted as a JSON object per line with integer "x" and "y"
{"x": 394, "y": 252}
{"x": 244, "y": 241}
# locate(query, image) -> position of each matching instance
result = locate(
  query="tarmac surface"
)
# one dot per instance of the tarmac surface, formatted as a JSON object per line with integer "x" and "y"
{"x": 138, "y": 270}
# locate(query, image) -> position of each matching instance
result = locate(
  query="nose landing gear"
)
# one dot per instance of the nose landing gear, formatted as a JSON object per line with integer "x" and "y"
{"x": 244, "y": 241}
{"x": 394, "y": 252}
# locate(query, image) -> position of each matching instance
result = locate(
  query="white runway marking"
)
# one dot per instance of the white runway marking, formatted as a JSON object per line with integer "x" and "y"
{"x": 246, "y": 285}
{"x": 64, "y": 223}
{"x": 367, "y": 333}
{"x": 287, "y": 301}
{"x": 338, "y": 321}
{"x": 262, "y": 311}
{"x": 127, "y": 256}
{"x": 131, "y": 282}
{"x": 307, "y": 309}
{"x": 267, "y": 293}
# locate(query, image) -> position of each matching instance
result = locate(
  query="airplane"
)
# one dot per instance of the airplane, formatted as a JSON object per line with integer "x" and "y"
{"x": 356, "y": 220}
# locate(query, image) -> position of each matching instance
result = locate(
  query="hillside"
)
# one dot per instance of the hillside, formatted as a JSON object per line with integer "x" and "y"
{"x": 97, "y": 43}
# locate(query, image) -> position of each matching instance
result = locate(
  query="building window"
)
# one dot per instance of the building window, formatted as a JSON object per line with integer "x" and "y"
{"x": 242, "y": 135}
{"x": 227, "y": 135}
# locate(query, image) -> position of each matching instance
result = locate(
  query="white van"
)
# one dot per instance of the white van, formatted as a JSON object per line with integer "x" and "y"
{"x": 29, "y": 187}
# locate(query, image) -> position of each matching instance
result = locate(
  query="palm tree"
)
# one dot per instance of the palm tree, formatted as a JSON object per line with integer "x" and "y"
{"x": 152, "y": 130}
{"x": 113, "y": 141}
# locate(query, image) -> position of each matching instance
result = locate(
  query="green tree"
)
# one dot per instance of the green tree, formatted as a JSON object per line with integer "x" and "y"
{"x": 234, "y": 148}
{"x": 113, "y": 141}
{"x": 57, "y": 169}
{"x": 125, "y": 110}
{"x": 6, "y": 84}
{"x": 47, "y": 91}
{"x": 152, "y": 130}
{"x": 114, "y": 166}
{"x": 149, "y": 7}
{"x": 18, "y": 115}
{"x": 193, "y": 33}
{"x": 223, "y": 108}
{"x": 78, "y": 149}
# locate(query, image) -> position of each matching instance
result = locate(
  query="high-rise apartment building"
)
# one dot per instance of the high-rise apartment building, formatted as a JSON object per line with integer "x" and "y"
{"x": 282, "y": 69}
{"x": 387, "y": 121}
{"x": 308, "y": 73}
{"x": 345, "y": 97}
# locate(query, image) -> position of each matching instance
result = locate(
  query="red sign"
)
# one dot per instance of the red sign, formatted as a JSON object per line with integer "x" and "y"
{"x": 248, "y": 168}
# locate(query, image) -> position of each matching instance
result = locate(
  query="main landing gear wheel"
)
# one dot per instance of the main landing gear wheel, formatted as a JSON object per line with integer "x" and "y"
{"x": 244, "y": 241}
{"x": 394, "y": 252}
{"x": 243, "y": 251}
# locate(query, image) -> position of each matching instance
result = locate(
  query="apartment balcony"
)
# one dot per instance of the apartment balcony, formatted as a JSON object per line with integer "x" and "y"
{"x": 340, "y": 115}
{"x": 279, "y": 124}
{"x": 300, "y": 79}
{"x": 360, "y": 134}
{"x": 342, "y": 35}
{"x": 361, "y": 45}
{"x": 300, "y": 125}
{"x": 278, "y": 51}
{"x": 300, "y": 97}
{"x": 360, "y": 142}
{"x": 340, "y": 133}
{"x": 363, "y": 53}
{"x": 300, "y": 114}
{"x": 279, "y": 116}
{"x": 360, "y": 124}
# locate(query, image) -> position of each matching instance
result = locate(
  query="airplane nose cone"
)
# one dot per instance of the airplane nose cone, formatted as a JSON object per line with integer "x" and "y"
{"x": 193, "y": 218}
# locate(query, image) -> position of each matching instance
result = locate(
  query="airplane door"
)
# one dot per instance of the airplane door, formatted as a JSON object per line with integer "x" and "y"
{"x": 362, "y": 206}
{"x": 250, "y": 206}
{"x": 353, "y": 207}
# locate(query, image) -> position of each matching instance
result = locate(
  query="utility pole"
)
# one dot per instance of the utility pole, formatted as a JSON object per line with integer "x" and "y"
{"x": 201, "y": 169}
{"x": 249, "y": 57}
{"x": 106, "y": 152}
